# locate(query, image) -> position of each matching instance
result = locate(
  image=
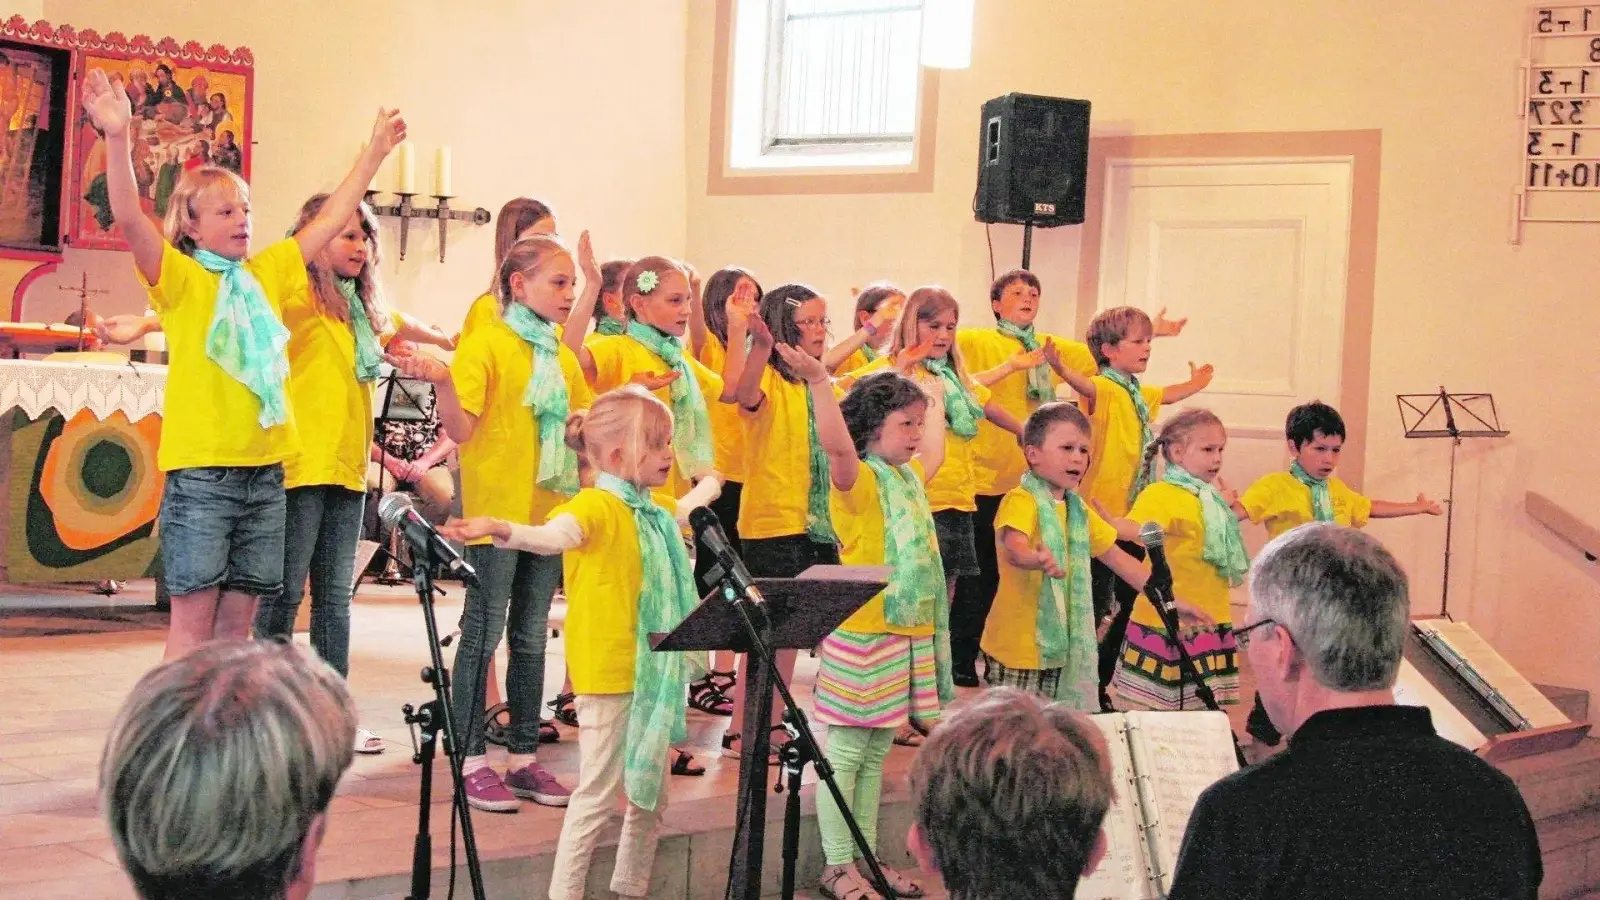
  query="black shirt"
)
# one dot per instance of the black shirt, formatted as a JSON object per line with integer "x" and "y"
{"x": 1365, "y": 802}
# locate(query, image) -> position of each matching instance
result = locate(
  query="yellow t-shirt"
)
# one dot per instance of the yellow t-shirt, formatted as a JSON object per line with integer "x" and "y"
{"x": 997, "y": 462}
{"x": 500, "y": 464}
{"x": 775, "y": 502}
{"x": 1010, "y": 634}
{"x": 1115, "y": 446}
{"x": 727, "y": 426}
{"x": 209, "y": 419}
{"x": 1194, "y": 581}
{"x": 855, "y": 361}
{"x": 618, "y": 361}
{"x": 333, "y": 409}
{"x": 953, "y": 486}
{"x": 603, "y": 579}
{"x": 858, "y": 521}
{"x": 1280, "y": 502}
{"x": 484, "y": 309}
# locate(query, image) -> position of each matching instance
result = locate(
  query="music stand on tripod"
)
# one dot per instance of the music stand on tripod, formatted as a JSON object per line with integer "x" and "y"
{"x": 798, "y": 614}
{"x": 396, "y": 400}
{"x": 1443, "y": 417}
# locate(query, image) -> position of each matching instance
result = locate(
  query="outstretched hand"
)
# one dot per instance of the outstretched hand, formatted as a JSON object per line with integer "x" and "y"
{"x": 388, "y": 131}
{"x": 741, "y": 304}
{"x": 1229, "y": 495}
{"x": 414, "y": 363}
{"x": 1200, "y": 376}
{"x": 760, "y": 334}
{"x": 805, "y": 365}
{"x": 475, "y": 528}
{"x": 1429, "y": 507}
{"x": 1026, "y": 359}
{"x": 910, "y": 358}
{"x": 1048, "y": 564}
{"x": 1165, "y": 327}
{"x": 887, "y": 312}
{"x": 106, "y": 104}
{"x": 586, "y": 262}
{"x": 655, "y": 382}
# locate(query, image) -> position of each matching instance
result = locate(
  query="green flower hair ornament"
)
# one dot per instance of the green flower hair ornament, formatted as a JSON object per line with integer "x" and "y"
{"x": 647, "y": 281}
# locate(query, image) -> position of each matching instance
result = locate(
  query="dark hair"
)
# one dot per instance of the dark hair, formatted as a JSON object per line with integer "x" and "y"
{"x": 1113, "y": 326}
{"x": 1010, "y": 794}
{"x": 611, "y": 273}
{"x": 165, "y": 68}
{"x": 1049, "y": 414}
{"x": 871, "y": 401}
{"x": 777, "y": 310}
{"x": 998, "y": 287}
{"x": 222, "y": 95}
{"x": 1308, "y": 420}
{"x": 515, "y": 217}
{"x": 714, "y": 298}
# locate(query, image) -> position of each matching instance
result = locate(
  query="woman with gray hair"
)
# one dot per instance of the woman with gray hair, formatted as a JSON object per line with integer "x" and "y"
{"x": 218, "y": 772}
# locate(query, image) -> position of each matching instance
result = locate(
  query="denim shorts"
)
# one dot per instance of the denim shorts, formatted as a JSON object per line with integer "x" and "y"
{"x": 223, "y": 526}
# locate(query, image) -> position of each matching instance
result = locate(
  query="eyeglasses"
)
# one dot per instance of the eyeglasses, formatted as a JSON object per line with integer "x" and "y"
{"x": 1243, "y": 637}
{"x": 812, "y": 323}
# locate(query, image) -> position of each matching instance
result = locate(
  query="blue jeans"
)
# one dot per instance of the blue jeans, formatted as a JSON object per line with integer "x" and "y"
{"x": 513, "y": 597}
{"x": 322, "y": 530}
{"x": 222, "y": 527}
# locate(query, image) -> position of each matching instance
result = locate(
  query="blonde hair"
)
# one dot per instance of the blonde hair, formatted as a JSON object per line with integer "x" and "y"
{"x": 524, "y": 256}
{"x": 660, "y": 265}
{"x": 191, "y": 187}
{"x": 219, "y": 764}
{"x": 324, "y": 294}
{"x": 921, "y": 306}
{"x": 1175, "y": 433}
{"x": 1114, "y": 326}
{"x": 629, "y": 418}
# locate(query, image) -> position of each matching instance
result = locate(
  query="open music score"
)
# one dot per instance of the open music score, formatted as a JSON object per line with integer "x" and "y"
{"x": 1560, "y": 118}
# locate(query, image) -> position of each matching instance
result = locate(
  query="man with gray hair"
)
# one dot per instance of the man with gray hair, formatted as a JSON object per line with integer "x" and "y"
{"x": 216, "y": 778}
{"x": 1367, "y": 801}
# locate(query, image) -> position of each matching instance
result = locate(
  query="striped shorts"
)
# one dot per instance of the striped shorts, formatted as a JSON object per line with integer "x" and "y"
{"x": 876, "y": 680}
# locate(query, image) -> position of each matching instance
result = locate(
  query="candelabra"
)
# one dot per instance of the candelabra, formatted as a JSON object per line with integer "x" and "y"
{"x": 406, "y": 210}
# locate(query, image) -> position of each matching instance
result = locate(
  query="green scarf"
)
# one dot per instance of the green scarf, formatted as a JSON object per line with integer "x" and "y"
{"x": 871, "y": 354}
{"x": 1224, "y": 548}
{"x": 1039, "y": 386}
{"x": 609, "y": 326}
{"x": 916, "y": 591}
{"x": 819, "y": 521}
{"x": 666, "y": 596}
{"x": 368, "y": 352}
{"x": 961, "y": 409}
{"x": 1321, "y": 497}
{"x": 691, "y": 423}
{"x": 1065, "y": 618}
{"x": 546, "y": 394}
{"x": 246, "y": 339}
{"x": 1141, "y": 477}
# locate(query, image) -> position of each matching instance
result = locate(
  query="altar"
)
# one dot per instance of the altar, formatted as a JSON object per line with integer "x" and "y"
{"x": 80, "y": 481}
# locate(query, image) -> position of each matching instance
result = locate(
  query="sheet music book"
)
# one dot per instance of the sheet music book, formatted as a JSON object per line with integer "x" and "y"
{"x": 1160, "y": 764}
{"x": 1488, "y": 674}
{"x": 1412, "y": 689}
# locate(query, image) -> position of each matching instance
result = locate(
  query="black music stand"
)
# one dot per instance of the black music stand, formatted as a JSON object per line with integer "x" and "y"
{"x": 398, "y": 399}
{"x": 798, "y": 614}
{"x": 1443, "y": 417}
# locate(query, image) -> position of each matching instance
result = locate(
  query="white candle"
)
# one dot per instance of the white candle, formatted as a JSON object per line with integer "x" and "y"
{"x": 441, "y": 173}
{"x": 408, "y": 171}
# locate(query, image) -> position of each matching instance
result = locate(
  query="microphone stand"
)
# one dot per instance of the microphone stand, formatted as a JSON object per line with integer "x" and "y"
{"x": 1160, "y": 596}
{"x": 433, "y": 717}
{"x": 792, "y": 762}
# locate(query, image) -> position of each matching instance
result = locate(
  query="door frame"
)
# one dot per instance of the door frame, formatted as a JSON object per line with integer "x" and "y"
{"x": 1363, "y": 149}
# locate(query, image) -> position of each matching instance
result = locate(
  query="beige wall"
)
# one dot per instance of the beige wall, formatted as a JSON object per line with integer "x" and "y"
{"x": 28, "y": 9}
{"x": 577, "y": 104}
{"x": 1456, "y": 303}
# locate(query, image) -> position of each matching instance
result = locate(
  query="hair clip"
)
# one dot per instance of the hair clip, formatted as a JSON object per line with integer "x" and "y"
{"x": 647, "y": 281}
{"x": 793, "y": 302}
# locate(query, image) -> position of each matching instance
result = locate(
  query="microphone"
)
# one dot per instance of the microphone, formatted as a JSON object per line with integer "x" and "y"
{"x": 709, "y": 531}
{"x": 396, "y": 511}
{"x": 1159, "y": 587}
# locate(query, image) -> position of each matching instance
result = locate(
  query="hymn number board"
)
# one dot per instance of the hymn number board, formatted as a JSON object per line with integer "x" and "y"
{"x": 1560, "y": 111}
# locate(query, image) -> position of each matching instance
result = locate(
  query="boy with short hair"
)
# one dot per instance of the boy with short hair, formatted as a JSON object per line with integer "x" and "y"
{"x": 1309, "y": 492}
{"x": 1120, "y": 412}
{"x": 1009, "y": 796}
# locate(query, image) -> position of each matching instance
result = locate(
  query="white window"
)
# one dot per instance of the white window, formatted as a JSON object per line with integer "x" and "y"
{"x": 826, "y": 83}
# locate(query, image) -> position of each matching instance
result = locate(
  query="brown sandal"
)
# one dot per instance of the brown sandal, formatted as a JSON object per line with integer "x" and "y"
{"x": 909, "y": 736}
{"x": 902, "y": 886}
{"x": 845, "y": 883}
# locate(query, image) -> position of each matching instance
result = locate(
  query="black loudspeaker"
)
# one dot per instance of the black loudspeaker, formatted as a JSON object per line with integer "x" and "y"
{"x": 1033, "y": 158}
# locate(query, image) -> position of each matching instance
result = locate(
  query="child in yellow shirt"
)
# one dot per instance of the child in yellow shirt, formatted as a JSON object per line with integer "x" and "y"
{"x": 1039, "y": 636}
{"x": 520, "y": 217}
{"x": 1206, "y": 554}
{"x": 228, "y": 426}
{"x": 628, "y": 576}
{"x": 877, "y": 308}
{"x": 1121, "y": 412}
{"x": 505, "y": 399}
{"x": 1309, "y": 492}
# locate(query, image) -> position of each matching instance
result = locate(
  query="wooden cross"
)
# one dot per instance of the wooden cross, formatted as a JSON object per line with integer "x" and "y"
{"x": 83, "y": 291}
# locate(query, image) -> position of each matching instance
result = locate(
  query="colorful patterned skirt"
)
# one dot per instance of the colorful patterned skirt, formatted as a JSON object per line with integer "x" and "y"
{"x": 876, "y": 680}
{"x": 1147, "y": 675}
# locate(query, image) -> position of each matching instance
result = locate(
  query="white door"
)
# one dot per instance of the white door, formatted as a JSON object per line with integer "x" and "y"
{"x": 1254, "y": 253}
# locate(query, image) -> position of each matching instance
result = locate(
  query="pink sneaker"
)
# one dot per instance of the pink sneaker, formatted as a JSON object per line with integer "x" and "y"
{"x": 534, "y": 782}
{"x": 487, "y": 792}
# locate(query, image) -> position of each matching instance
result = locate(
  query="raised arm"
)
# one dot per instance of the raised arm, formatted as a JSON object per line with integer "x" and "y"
{"x": 125, "y": 329}
{"x": 748, "y": 393}
{"x": 582, "y": 312}
{"x": 1199, "y": 380}
{"x": 419, "y": 332}
{"x": 883, "y": 317}
{"x": 108, "y": 109}
{"x": 557, "y": 536}
{"x": 387, "y": 133}
{"x": 934, "y": 434}
{"x": 740, "y": 309}
{"x": 1020, "y": 362}
{"x": 458, "y": 423}
{"x": 844, "y": 467}
{"x": 697, "y": 314}
{"x": 1021, "y": 552}
{"x": 1422, "y": 506}
{"x": 997, "y": 414}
